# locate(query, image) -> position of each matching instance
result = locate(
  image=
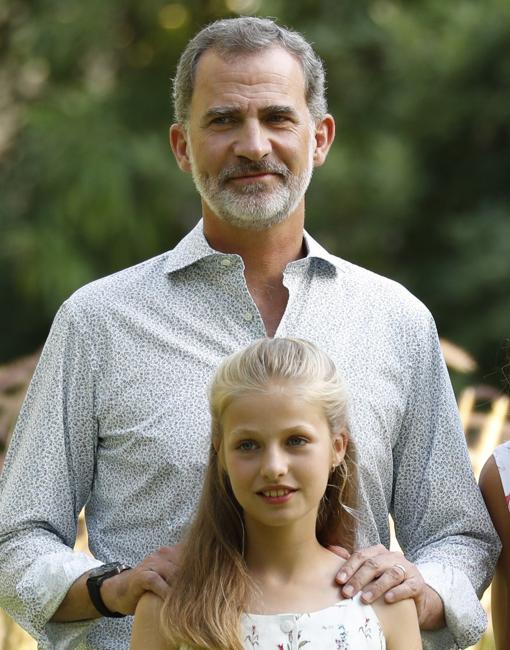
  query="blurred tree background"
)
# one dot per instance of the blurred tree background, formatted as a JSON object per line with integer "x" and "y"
{"x": 416, "y": 186}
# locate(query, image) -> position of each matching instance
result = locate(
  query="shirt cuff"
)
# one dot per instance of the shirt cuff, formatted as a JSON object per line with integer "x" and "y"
{"x": 465, "y": 617}
{"x": 45, "y": 584}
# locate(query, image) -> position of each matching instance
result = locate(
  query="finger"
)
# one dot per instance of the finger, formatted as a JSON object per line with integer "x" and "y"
{"x": 372, "y": 568}
{"x": 391, "y": 577}
{"x": 357, "y": 559}
{"x": 164, "y": 569}
{"x": 411, "y": 588}
{"x": 170, "y": 552}
{"x": 340, "y": 551}
{"x": 152, "y": 581}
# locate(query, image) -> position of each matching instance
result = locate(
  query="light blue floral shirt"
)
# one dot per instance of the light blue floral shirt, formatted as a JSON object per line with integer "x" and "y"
{"x": 116, "y": 420}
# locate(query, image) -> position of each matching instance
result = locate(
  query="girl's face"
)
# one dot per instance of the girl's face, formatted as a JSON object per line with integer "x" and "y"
{"x": 278, "y": 452}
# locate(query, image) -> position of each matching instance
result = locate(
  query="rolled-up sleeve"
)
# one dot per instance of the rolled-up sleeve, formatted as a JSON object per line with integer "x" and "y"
{"x": 440, "y": 519}
{"x": 46, "y": 481}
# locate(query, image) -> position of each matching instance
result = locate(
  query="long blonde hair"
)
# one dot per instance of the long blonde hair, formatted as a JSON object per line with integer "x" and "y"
{"x": 212, "y": 587}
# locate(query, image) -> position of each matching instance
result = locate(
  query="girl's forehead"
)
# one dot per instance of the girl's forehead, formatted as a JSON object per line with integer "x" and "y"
{"x": 277, "y": 408}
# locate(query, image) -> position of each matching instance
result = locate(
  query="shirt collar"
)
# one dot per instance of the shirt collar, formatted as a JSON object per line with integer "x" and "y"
{"x": 194, "y": 247}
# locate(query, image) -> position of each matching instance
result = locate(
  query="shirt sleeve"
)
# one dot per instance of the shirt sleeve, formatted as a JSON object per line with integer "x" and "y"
{"x": 46, "y": 481}
{"x": 440, "y": 518}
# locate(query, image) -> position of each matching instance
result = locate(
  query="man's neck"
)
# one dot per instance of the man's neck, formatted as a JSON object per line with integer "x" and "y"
{"x": 265, "y": 253}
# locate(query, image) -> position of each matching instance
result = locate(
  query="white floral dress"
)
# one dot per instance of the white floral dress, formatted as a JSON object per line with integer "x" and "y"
{"x": 502, "y": 458}
{"x": 348, "y": 625}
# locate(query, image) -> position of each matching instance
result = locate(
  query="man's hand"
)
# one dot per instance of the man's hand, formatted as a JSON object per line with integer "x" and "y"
{"x": 122, "y": 592}
{"x": 377, "y": 571}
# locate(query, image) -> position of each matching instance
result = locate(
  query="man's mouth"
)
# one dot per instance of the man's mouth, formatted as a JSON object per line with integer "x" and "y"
{"x": 252, "y": 177}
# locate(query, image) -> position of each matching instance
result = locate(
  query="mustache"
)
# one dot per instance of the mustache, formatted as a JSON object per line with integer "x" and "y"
{"x": 253, "y": 167}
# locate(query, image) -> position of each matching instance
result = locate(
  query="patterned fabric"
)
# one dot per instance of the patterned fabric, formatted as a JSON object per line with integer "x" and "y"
{"x": 502, "y": 458}
{"x": 348, "y": 625}
{"x": 116, "y": 419}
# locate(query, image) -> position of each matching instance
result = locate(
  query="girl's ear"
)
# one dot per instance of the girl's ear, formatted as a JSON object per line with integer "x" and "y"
{"x": 217, "y": 447}
{"x": 339, "y": 443}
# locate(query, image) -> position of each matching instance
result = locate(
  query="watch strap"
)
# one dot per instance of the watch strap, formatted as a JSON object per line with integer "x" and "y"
{"x": 94, "y": 582}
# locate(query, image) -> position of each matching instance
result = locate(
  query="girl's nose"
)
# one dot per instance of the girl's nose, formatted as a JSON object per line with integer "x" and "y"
{"x": 274, "y": 464}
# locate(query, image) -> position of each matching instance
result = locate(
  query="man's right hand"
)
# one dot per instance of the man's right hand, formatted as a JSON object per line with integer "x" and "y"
{"x": 122, "y": 592}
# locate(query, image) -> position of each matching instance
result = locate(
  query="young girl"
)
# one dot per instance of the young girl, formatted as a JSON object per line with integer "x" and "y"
{"x": 255, "y": 570}
{"x": 495, "y": 486}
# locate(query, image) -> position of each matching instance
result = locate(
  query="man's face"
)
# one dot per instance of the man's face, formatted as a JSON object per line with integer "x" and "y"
{"x": 250, "y": 137}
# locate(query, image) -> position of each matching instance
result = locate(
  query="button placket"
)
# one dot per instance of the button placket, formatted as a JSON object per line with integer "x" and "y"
{"x": 286, "y": 625}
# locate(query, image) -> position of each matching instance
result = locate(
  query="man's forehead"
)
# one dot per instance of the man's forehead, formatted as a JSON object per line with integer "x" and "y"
{"x": 272, "y": 72}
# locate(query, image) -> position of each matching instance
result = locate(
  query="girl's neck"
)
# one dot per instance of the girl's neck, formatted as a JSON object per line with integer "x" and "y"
{"x": 283, "y": 553}
{"x": 292, "y": 571}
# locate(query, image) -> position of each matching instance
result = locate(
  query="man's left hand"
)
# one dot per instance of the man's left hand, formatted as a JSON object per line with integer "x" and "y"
{"x": 376, "y": 571}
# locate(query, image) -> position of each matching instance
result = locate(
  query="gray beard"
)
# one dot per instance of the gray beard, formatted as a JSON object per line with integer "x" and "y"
{"x": 255, "y": 206}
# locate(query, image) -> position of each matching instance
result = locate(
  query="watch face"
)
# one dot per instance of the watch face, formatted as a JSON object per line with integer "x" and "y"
{"x": 113, "y": 567}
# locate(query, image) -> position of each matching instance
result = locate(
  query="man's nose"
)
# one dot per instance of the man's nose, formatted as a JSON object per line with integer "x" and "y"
{"x": 274, "y": 464}
{"x": 252, "y": 141}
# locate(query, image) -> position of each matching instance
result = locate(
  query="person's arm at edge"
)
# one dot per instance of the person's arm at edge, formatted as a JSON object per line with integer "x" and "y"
{"x": 453, "y": 544}
{"x": 399, "y": 622}
{"x": 146, "y": 631}
{"x": 43, "y": 485}
{"x": 493, "y": 494}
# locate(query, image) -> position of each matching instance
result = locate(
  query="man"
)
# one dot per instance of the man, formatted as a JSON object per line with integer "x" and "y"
{"x": 116, "y": 416}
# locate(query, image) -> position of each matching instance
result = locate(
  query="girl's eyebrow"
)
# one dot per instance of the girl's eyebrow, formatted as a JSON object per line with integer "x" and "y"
{"x": 235, "y": 433}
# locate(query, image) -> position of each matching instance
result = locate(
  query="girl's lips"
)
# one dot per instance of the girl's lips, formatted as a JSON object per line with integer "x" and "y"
{"x": 276, "y": 495}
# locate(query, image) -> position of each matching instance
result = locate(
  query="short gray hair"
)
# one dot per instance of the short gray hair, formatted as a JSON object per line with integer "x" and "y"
{"x": 245, "y": 35}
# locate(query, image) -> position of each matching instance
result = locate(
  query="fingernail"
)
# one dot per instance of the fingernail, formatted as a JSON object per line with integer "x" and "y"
{"x": 367, "y": 596}
{"x": 348, "y": 591}
{"x": 390, "y": 596}
{"x": 342, "y": 576}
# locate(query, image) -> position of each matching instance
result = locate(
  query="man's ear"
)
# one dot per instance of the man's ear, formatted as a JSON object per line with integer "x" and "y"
{"x": 324, "y": 136}
{"x": 179, "y": 144}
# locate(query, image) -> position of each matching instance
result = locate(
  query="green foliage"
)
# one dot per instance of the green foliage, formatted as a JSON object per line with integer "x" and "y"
{"x": 418, "y": 175}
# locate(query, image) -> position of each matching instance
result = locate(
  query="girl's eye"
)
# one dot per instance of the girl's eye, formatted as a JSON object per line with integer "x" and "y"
{"x": 297, "y": 441}
{"x": 246, "y": 445}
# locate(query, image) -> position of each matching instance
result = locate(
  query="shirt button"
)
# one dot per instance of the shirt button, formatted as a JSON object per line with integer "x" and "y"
{"x": 286, "y": 626}
{"x": 248, "y": 316}
{"x": 226, "y": 262}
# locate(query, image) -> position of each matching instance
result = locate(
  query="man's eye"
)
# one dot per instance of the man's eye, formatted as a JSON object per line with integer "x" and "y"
{"x": 221, "y": 120}
{"x": 297, "y": 441}
{"x": 278, "y": 118}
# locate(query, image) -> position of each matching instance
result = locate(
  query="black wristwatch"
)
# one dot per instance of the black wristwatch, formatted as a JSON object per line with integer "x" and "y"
{"x": 96, "y": 579}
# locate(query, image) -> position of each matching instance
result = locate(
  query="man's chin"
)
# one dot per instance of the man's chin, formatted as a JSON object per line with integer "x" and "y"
{"x": 254, "y": 223}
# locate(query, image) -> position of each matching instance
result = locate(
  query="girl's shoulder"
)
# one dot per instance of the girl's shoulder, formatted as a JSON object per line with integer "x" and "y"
{"x": 399, "y": 621}
{"x": 149, "y": 605}
{"x": 146, "y": 626}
